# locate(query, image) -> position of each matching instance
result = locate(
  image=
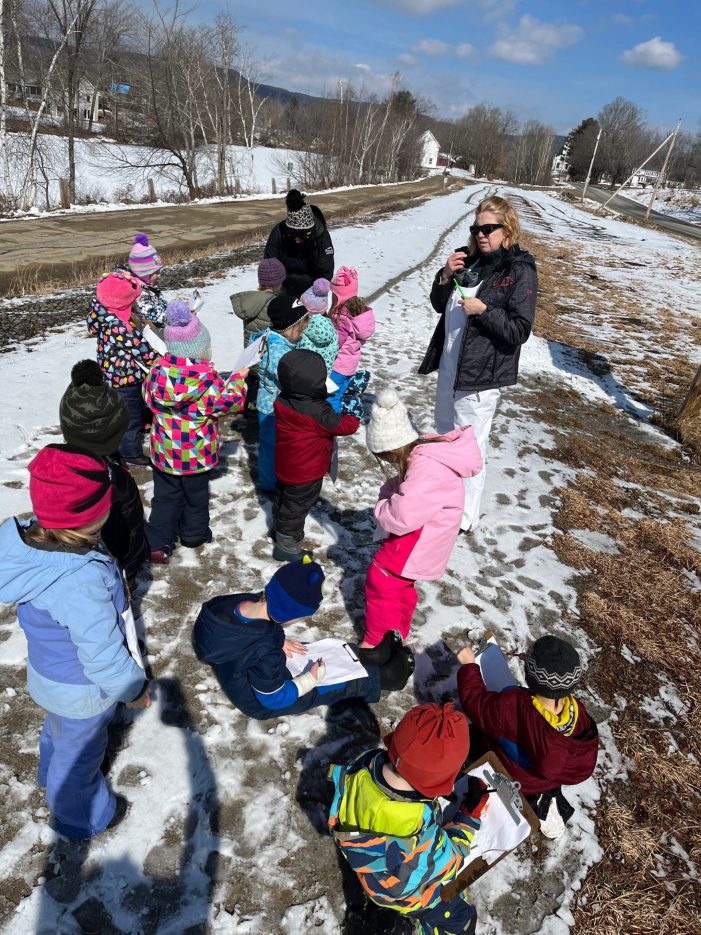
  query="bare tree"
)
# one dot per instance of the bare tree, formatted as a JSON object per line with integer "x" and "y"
{"x": 531, "y": 154}
{"x": 623, "y": 137}
{"x": 482, "y": 135}
{"x": 247, "y": 102}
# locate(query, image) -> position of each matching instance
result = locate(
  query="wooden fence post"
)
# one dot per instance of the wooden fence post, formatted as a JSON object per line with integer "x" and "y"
{"x": 151, "y": 189}
{"x": 64, "y": 193}
{"x": 274, "y": 186}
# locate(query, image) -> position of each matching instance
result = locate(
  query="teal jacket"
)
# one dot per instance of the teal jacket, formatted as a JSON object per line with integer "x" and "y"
{"x": 275, "y": 346}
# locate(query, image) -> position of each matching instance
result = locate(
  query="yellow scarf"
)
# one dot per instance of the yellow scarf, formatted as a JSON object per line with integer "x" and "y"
{"x": 564, "y": 722}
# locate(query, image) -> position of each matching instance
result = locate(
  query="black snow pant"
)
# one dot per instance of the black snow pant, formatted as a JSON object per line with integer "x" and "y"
{"x": 291, "y": 506}
{"x": 180, "y": 508}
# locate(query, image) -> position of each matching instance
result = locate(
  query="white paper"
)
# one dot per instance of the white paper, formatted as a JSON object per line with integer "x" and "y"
{"x": 251, "y": 355}
{"x": 132, "y": 640}
{"x": 158, "y": 344}
{"x": 342, "y": 664}
{"x": 498, "y": 832}
{"x": 495, "y": 670}
{"x": 331, "y": 387}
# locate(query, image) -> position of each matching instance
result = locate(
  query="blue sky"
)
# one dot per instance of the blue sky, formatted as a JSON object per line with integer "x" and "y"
{"x": 555, "y": 62}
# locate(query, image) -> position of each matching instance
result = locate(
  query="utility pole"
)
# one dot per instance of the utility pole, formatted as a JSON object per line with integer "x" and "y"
{"x": 641, "y": 166}
{"x": 591, "y": 164}
{"x": 660, "y": 177}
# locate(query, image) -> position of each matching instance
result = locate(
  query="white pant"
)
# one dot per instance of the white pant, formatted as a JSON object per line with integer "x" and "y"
{"x": 454, "y": 410}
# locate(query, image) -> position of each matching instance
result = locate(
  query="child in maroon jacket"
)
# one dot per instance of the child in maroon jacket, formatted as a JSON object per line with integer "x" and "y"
{"x": 305, "y": 426}
{"x": 542, "y": 734}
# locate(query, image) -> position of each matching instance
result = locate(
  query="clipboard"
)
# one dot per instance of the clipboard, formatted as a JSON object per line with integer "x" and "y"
{"x": 479, "y": 866}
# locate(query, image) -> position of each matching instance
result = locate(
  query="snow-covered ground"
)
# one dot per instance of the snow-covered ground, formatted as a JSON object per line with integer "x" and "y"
{"x": 676, "y": 202}
{"x": 104, "y": 170}
{"x": 227, "y": 813}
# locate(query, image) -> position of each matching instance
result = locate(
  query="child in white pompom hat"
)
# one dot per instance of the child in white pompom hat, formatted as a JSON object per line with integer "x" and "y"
{"x": 419, "y": 509}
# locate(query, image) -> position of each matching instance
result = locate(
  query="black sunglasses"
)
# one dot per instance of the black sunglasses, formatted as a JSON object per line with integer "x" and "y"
{"x": 485, "y": 229}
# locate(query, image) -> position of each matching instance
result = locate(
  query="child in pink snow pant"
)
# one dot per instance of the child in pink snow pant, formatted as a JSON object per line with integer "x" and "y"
{"x": 419, "y": 510}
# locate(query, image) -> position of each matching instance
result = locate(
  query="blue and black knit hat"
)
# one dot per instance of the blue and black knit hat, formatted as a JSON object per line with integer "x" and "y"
{"x": 294, "y": 591}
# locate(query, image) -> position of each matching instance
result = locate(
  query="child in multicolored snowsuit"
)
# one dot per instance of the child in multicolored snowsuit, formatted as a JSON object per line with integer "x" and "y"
{"x": 83, "y": 657}
{"x": 387, "y": 822}
{"x": 123, "y": 352}
{"x": 186, "y": 396}
{"x": 355, "y": 323}
{"x": 320, "y": 334}
{"x": 145, "y": 263}
{"x": 242, "y": 637}
{"x": 252, "y": 308}
{"x": 94, "y": 419}
{"x": 420, "y": 510}
{"x": 544, "y": 737}
{"x": 288, "y": 319}
{"x": 305, "y": 427}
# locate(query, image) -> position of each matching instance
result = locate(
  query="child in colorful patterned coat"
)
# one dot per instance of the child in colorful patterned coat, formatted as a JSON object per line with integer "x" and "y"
{"x": 387, "y": 822}
{"x": 186, "y": 396}
{"x": 123, "y": 352}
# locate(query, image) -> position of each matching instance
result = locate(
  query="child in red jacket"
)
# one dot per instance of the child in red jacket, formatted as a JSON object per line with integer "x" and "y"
{"x": 542, "y": 734}
{"x": 305, "y": 426}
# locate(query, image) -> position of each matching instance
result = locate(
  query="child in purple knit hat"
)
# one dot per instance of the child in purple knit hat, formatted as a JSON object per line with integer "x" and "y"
{"x": 185, "y": 335}
{"x": 146, "y": 264}
{"x": 320, "y": 334}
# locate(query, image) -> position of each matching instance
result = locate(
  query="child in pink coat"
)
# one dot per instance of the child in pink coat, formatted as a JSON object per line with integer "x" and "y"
{"x": 420, "y": 509}
{"x": 355, "y": 323}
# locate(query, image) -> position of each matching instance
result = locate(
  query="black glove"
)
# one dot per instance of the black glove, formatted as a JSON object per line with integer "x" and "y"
{"x": 475, "y": 798}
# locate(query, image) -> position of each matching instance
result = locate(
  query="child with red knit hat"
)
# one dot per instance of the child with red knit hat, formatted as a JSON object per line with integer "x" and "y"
{"x": 123, "y": 353}
{"x": 387, "y": 821}
{"x": 83, "y": 656}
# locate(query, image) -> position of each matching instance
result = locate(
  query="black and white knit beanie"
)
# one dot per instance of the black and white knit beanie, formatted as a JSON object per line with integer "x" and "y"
{"x": 92, "y": 414}
{"x": 553, "y": 667}
{"x": 299, "y": 214}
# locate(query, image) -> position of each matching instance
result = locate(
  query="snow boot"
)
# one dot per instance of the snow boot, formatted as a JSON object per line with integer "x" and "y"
{"x": 288, "y": 550}
{"x": 396, "y": 673}
{"x": 381, "y": 654}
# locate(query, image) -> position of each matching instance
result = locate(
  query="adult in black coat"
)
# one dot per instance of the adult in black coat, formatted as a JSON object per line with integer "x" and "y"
{"x": 94, "y": 419}
{"x": 303, "y": 245}
{"x": 486, "y": 297}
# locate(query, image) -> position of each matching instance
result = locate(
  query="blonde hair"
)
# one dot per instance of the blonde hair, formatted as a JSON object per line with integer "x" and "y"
{"x": 506, "y": 216}
{"x": 71, "y": 538}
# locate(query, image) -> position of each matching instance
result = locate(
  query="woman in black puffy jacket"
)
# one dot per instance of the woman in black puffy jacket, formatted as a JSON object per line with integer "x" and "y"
{"x": 486, "y": 297}
{"x": 303, "y": 245}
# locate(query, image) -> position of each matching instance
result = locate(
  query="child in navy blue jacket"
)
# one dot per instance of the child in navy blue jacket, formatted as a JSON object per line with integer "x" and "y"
{"x": 83, "y": 658}
{"x": 241, "y": 636}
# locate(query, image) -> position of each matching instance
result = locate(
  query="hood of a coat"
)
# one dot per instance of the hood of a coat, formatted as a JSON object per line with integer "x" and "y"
{"x": 26, "y": 572}
{"x": 302, "y": 375}
{"x": 456, "y": 450}
{"x": 222, "y": 637}
{"x": 175, "y": 383}
{"x": 362, "y": 326}
{"x": 251, "y": 304}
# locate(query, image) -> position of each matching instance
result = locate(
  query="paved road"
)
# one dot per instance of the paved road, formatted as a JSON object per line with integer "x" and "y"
{"x": 57, "y": 246}
{"x": 635, "y": 210}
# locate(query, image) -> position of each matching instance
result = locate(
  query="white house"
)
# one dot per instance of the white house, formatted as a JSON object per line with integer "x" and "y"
{"x": 560, "y": 168}
{"x": 643, "y": 177}
{"x": 430, "y": 150}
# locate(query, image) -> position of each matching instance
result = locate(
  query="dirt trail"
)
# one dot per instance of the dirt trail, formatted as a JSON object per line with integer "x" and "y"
{"x": 58, "y": 248}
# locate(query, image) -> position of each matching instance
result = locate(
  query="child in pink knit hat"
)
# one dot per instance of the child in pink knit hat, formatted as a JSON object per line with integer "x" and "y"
{"x": 355, "y": 323}
{"x": 146, "y": 264}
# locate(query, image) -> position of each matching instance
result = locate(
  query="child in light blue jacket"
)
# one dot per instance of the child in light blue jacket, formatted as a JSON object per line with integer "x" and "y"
{"x": 83, "y": 657}
{"x": 288, "y": 319}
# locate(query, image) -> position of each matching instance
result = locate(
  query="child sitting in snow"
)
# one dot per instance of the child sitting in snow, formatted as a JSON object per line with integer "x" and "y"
{"x": 420, "y": 509}
{"x": 123, "y": 352}
{"x": 387, "y": 822}
{"x": 75, "y": 614}
{"x": 320, "y": 334}
{"x": 305, "y": 427}
{"x": 542, "y": 734}
{"x": 145, "y": 263}
{"x": 186, "y": 396}
{"x": 355, "y": 323}
{"x": 242, "y": 637}
{"x": 94, "y": 419}
{"x": 288, "y": 320}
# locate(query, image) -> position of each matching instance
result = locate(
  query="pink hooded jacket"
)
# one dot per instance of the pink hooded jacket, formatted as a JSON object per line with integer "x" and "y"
{"x": 352, "y": 334}
{"x": 422, "y": 515}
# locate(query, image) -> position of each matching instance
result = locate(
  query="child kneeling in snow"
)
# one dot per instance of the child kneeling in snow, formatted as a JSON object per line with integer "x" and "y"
{"x": 542, "y": 734}
{"x": 242, "y": 637}
{"x": 420, "y": 509}
{"x": 305, "y": 427}
{"x": 74, "y": 611}
{"x": 387, "y": 822}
